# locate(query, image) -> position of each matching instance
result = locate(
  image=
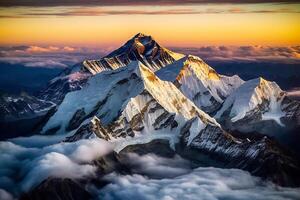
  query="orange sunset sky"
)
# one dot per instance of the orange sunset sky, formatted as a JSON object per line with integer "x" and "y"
{"x": 194, "y": 24}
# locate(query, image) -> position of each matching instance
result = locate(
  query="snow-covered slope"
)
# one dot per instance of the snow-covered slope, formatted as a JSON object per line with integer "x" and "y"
{"x": 199, "y": 82}
{"x": 104, "y": 93}
{"x": 252, "y": 94}
{"x": 141, "y": 48}
{"x": 158, "y": 112}
{"x": 259, "y": 106}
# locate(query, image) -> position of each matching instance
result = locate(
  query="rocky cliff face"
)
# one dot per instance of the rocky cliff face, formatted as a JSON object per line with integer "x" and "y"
{"x": 260, "y": 155}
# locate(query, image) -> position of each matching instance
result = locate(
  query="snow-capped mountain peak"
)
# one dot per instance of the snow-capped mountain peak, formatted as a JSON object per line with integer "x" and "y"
{"x": 253, "y": 94}
{"x": 260, "y": 106}
{"x": 174, "y": 101}
{"x": 138, "y": 35}
{"x": 200, "y": 82}
{"x": 141, "y": 48}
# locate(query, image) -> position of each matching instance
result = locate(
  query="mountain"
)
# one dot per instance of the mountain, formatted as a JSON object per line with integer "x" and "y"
{"x": 146, "y": 101}
{"x": 141, "y": 48}
{"x": 260, "y": 106}
{"x": 200, "y": 83}
{"x": 137, "y": 108}
{"x": 126, "y": 85}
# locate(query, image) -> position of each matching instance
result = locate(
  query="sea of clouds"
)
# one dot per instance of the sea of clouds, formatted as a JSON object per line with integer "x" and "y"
{"x": 157, "y": 167}
{"x": 49, "y": 56}
{"x": 204, "y": 183}
{"x": 248, "y": 54}
{"x": 27, "y": 161}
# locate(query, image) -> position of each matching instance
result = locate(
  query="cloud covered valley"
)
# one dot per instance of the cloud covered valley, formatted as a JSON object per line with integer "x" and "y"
{"x": 25, "y": 164}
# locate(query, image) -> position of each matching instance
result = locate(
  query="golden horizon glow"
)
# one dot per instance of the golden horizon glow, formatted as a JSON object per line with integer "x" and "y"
{"x": 232, "y": 27}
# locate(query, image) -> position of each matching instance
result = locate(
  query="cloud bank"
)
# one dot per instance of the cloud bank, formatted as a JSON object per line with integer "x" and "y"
{"x": 202, "y": 183}
{"x": 48, "y": 56}
{"x": 61, "y": 57}
{"x": 126, "y": 10}
{"x": 251, "y": 53}
{"x": 155, "y": 166}
{"x": 154, "y": 177}
{"x": 7, "y": 3}
{"x": 22, "y": 167}
{"x": 294, "y": 93}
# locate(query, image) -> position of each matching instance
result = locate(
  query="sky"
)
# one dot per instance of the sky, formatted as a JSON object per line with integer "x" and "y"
{"x": 192, "y": 23}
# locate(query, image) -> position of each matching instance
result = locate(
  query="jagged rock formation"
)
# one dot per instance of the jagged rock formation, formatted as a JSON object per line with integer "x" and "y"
{"x": 260, "y": 156}
{"x": 142, "y": 48}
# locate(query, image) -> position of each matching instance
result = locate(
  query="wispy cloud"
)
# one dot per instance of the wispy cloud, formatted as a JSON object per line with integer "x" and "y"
{"x": 6, "y": 3}
{"x": 24, "y": 167}
{"x": 255, "y": 53}
{"x": 164, "y": 10}
{"x": 209, "y": 183}
{"x": 64, "y": 56}
{"x": 48, "y": 56}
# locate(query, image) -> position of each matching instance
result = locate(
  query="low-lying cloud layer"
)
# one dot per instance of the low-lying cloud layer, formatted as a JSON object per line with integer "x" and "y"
{"x": 202, "y": 183}
{"x": 25, "y": 164}
{"x": 127, "y": 2}
{"x": 53, "y": 56}
{"x": 255, "y": 53}
{"x": 22, "y": 167}
{"x": 127, "y": 10}
{"x": 155, "y": 166}
{"x": 294, "y": 93}
{"x": 48, "y": 56}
